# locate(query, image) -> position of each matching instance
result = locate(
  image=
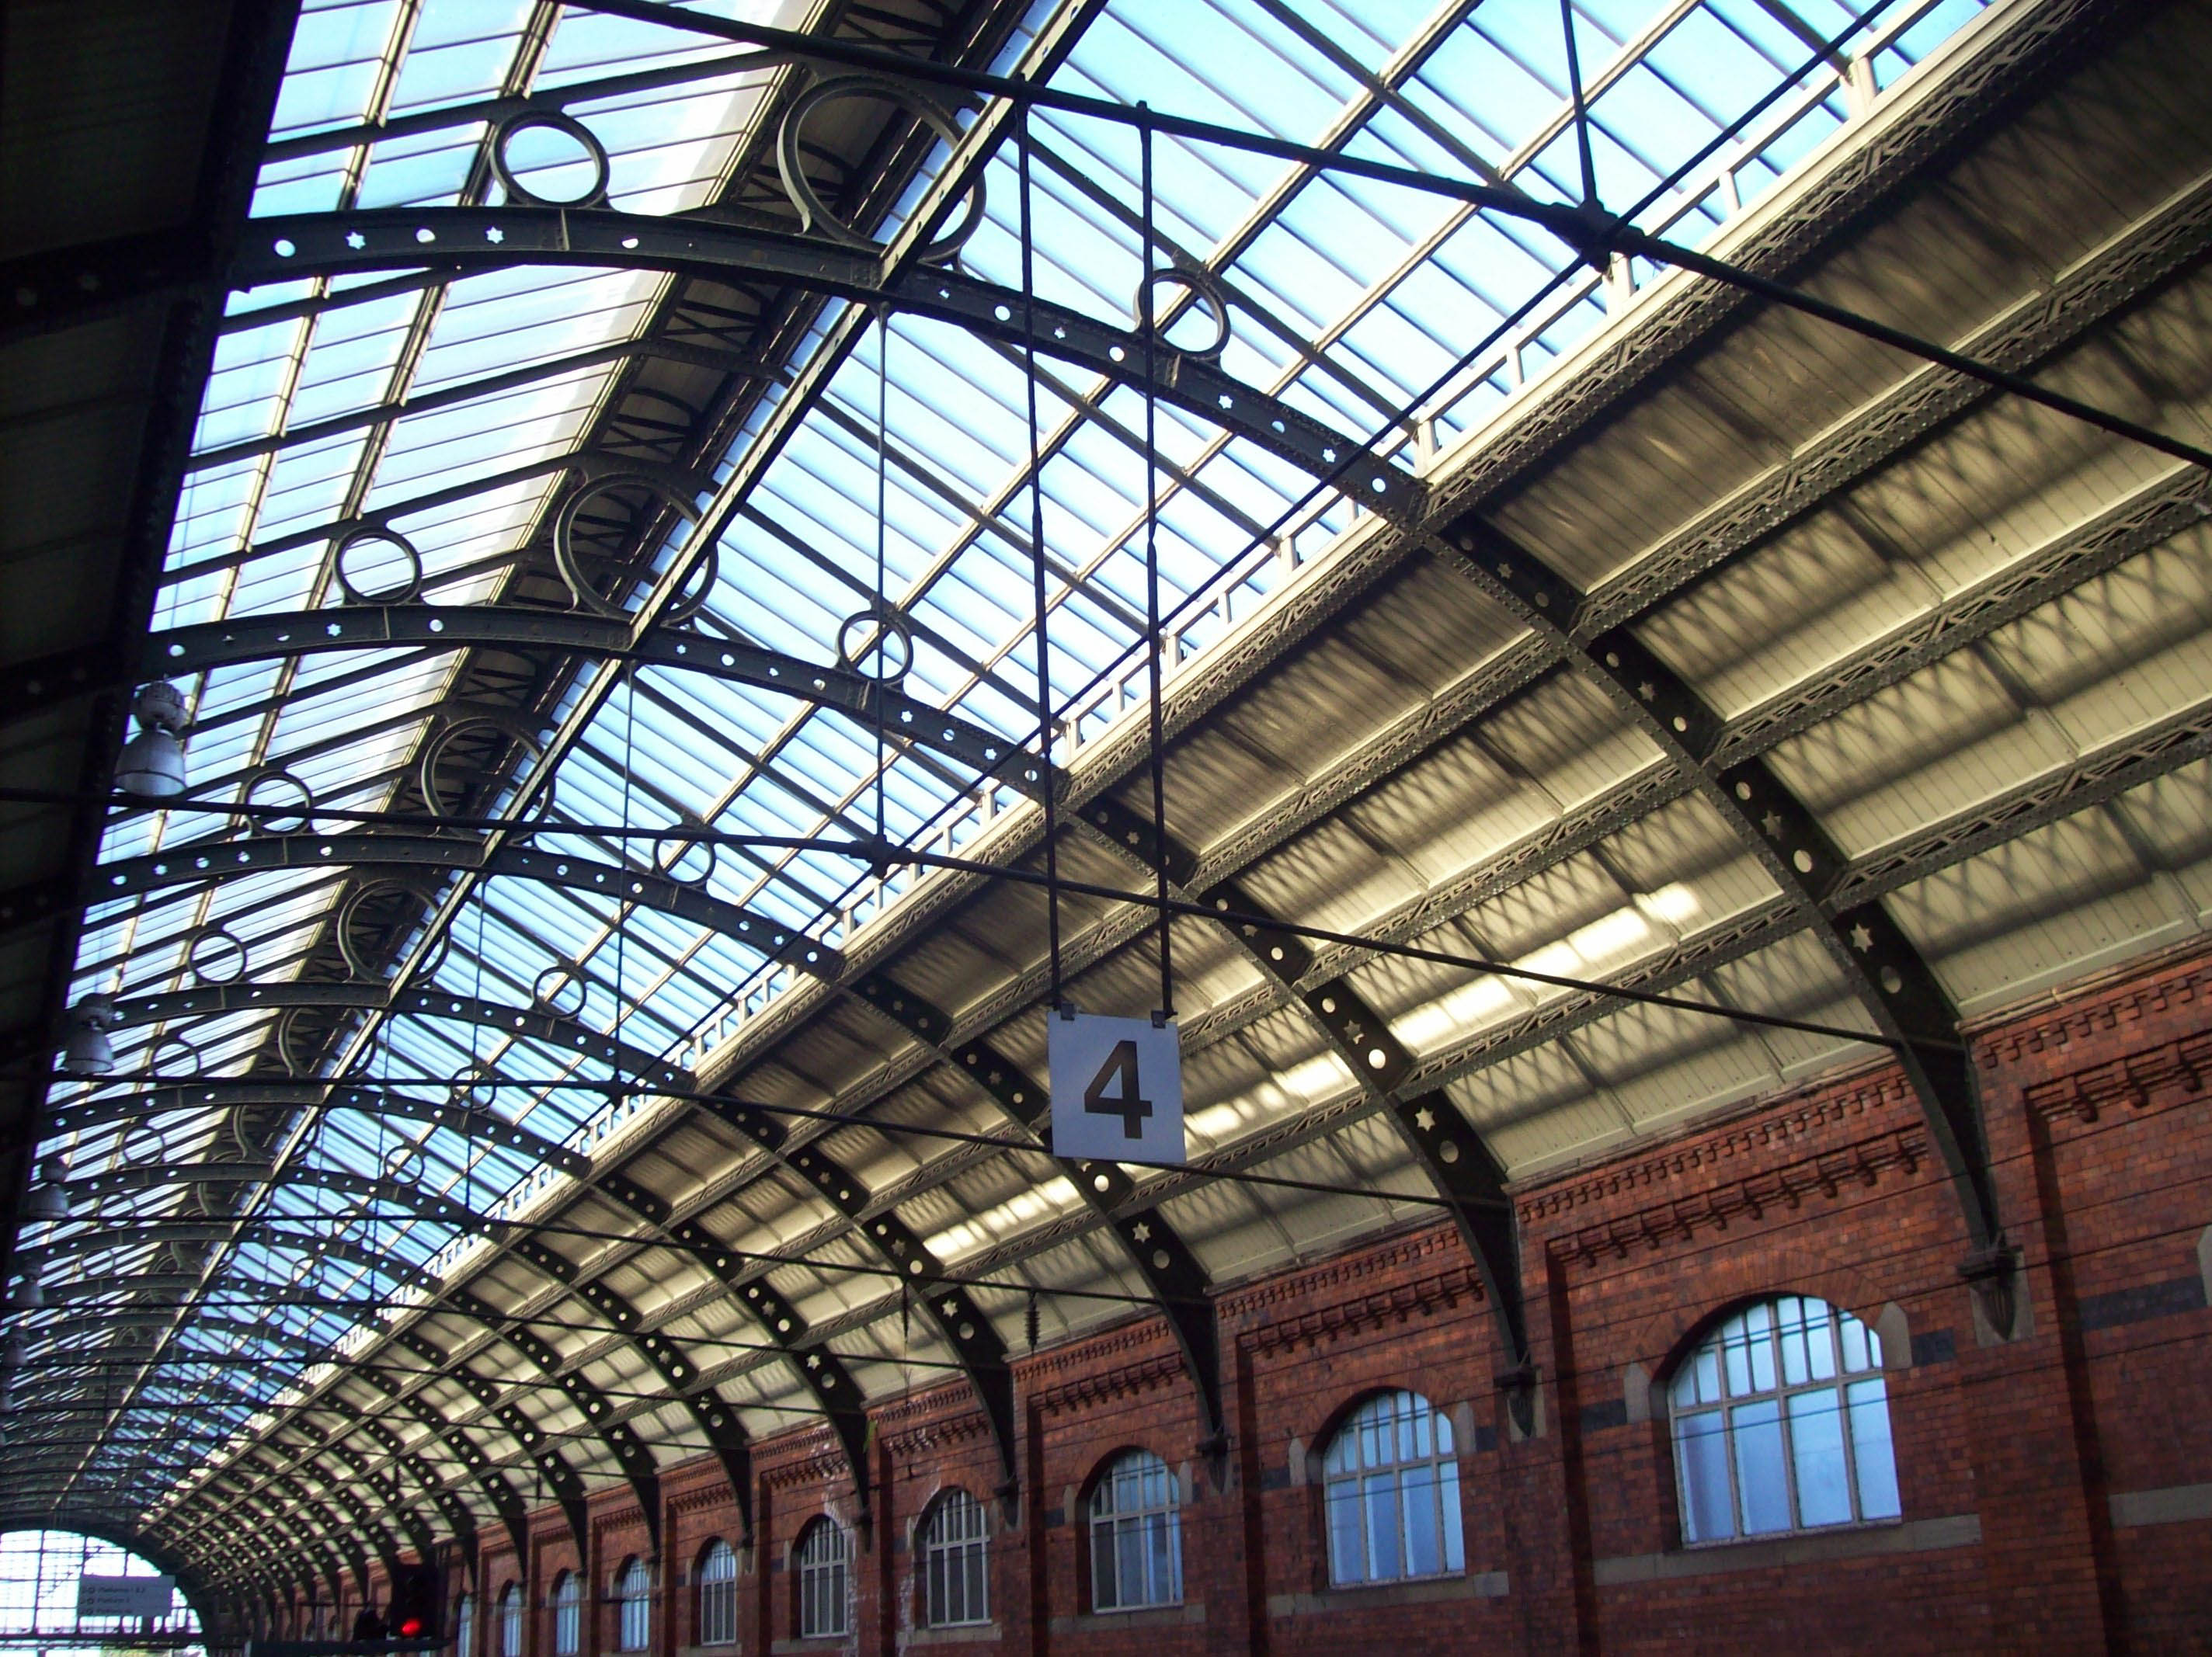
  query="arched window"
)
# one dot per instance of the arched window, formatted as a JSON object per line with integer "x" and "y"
{"x": 1136, "y": 1535}
{"x": 634, "y": 1606}
{"x": 568, "y": 1615}
{"x": 465, "y": 1627}
{"x": 954, "y": 1538}
{"x": 718, "y": 1595}
{"x": 826, "y": 1559}
{"x": 1392, "y": 1489}
{"x": 1782, "y": 1422}
{"x": 510, "y": 1621}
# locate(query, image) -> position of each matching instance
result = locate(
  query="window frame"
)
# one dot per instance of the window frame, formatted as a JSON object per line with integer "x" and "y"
{"x": 1706, "y": 1368}
{"x": 949, "y": 1560}
{"x": 1105, "y": 1517}
{"x": 633, "y": 1596}
{"x": 1379, "y": 1422}
{"x": 510, "y": 1620}
{"x": 566, "y": 1602}
{"x": 717, "y": 1595}
{"x": 465, "y": 1643}
{"x": 822, "y": 1580}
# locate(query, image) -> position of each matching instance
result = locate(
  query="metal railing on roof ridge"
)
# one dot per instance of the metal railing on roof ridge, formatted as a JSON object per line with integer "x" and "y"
{"x": 1247, "y": 587}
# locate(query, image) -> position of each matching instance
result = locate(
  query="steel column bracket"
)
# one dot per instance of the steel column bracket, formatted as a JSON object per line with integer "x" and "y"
{"x": 1172, "y": 1270}
{"x": 867, "y": 699}
{"x": 288, "y": 248}
{"x": 630, "y": 1452}
{"x": 258, "y": 854}
{"x": 1891, "y": 979}
{"x": 1457, "y": 1162}
{"x": 822, "y": 1372}
{"x": 966, "y": 1330}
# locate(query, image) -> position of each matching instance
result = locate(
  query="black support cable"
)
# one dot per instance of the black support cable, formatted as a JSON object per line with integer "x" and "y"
{"x": 1149, "y": 320}
{"x": 1036, "y": 558}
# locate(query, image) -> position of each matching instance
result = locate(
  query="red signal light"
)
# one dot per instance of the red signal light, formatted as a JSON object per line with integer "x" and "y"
{"x": 411, "y": 1629}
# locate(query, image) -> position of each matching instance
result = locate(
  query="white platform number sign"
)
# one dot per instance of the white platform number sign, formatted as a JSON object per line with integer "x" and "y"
{"x": 124, "y": 1596}
{"x": 1116, "y": 1088}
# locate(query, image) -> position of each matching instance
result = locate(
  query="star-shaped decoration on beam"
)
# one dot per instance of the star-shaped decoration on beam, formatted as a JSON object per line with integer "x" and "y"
{"x": 1142, "y": 1231}
{"x": 1862, "y": 938}
{"x": 814, "y": 1360}
{"x": 1647, "y": 690}
{"x": 355, "y": 239}
{"x": 1424, "y": 1119}
{"x": 1772, "y": 824}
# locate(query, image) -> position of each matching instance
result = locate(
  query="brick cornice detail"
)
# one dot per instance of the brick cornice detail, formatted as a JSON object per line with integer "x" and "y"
{"x": 1077, "y": 1354}
{"x": 1777, "y": 1127}
{"x": 1420, "y": 1248}
{"x": 2131, "y": 1001}
{"x": 1424, "y": 1297}
{"x": 1129, "y": 1380}
{"x": 1679, "y": 1219}
{"x": 2130, "y": 1080}
{"x": 936, "y": 1435}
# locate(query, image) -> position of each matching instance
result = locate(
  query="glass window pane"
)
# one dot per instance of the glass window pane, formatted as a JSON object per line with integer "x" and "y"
{"x": 1735, "y": 1348}
{"x": 1347, "y": 1555}
{"x": 1762, "y": 1481}
{"x": 1104, "y": 1593}
{"x": 1873, "y": 1456}
{"x": 1816, "y": 1448}
{"x": 1855, "y": 1345}
{"x": 1448, "y": 1501}
{"x": 1417, "y": 1502}
{"x": 1384, "y": 1561}
{"x": 1701, "y": 1451}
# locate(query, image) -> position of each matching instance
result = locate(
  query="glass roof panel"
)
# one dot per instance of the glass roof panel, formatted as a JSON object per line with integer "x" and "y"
{"x": 1349, "y": 299}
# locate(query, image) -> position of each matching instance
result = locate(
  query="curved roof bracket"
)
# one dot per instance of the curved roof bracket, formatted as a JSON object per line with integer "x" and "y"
{"x": 288, "y": 248}
{"x": 1432, "y": 1127}
{"x": 1886, "y": 975}
{"x": 199, "y": 862}
{"x": 482, "y": 1125}
{"x": 967, "y": 1333}
{"x": 621, "y": 1439}
{"x": 456, "y": 627}
{"x": 1169, "y": 1268}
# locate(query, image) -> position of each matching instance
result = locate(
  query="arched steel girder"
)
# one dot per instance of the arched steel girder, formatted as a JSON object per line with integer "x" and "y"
{"x": 323, "y": 1096}
{"x": 367, "y": 1523}
{"x": 334, "y": 1537}
{"x": 1884, "y": 971}
{"x": 824, "y": 1374}
{"x": 473, "y": 239}
{"x": 1170, "y": 1269}
{"x": 457, "y": 626}
{"x": 388, "y": 1493}
{"x": 967, "y": 1333}
{"x": 629, "y": 1453}
{"x": 310, "y": 1557}
{"x": 538, "y": 1023}
{"x": 197, "y": 1231}
{"x": 459, "y": 1520}
{"x": 1450, "y": 1150}
{"x": 214, "y": 860}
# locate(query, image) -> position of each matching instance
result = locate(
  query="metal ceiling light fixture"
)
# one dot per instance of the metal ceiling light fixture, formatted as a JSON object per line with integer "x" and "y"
{"x": 87, "y": 1052}
{"x": 47, "y": 1200}
{"x": 152, "y": 765}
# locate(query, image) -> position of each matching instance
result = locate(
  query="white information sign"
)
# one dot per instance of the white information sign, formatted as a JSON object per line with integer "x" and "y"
{"x": 124, "y": 1596}
{"x": 1116, "y": 1088}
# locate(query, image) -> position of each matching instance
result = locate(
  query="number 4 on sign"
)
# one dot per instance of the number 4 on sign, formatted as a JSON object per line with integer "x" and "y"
{"x": 1116, "y": 1088}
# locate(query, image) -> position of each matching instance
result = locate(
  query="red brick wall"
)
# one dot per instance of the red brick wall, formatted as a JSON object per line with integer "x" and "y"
{"x": 2056, "y": 1487}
